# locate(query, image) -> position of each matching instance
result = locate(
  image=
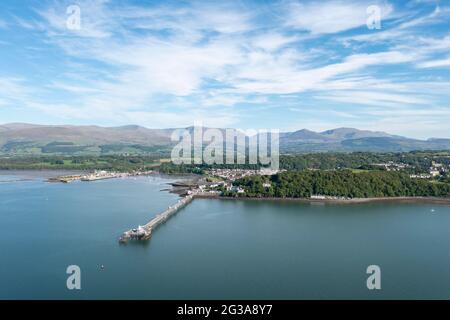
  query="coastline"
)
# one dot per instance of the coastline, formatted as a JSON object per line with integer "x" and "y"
{"x": 179, "y": 187}
{"x": 434, "y": 200}
{"x": 38, "y": 173}
{"x": 177, "y": 183}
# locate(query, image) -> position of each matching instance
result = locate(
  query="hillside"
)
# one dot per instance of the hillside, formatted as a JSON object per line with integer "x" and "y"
{"x": 31, "y": 139}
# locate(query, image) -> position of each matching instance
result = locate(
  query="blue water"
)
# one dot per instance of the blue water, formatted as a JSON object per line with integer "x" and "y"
{"x": 213, "y": 248}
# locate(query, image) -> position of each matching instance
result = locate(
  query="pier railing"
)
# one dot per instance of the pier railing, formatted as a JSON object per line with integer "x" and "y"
{"x": 144, "y": 232}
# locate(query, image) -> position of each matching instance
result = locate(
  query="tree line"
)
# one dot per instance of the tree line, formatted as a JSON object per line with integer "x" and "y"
{"x": 340, "y": 183}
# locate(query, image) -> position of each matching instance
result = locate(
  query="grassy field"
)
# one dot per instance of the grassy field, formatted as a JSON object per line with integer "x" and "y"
{"x": 359, "y": 170}
{"x": 118, "y": 163}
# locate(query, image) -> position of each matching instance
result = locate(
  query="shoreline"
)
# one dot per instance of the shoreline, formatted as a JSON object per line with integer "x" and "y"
{"x": 38, "y": 173}
{"x": 434, "y": 200}
{"x": 189, "y": 177}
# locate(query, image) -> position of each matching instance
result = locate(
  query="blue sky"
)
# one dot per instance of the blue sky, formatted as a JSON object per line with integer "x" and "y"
{"x": 241, "y": 63}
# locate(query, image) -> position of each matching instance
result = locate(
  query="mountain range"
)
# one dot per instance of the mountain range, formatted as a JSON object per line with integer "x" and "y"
{"x": 22, "y": 139}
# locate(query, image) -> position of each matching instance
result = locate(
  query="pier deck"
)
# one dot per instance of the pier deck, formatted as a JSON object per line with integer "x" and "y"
{"x": 144, "y": 232}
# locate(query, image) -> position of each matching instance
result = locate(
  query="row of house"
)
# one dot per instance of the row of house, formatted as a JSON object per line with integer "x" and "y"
{"x": 393, "y": 166}
{"x": 234, "y": 174}
{"x": 225, "y": 184}
{"x": 436, "y": 170}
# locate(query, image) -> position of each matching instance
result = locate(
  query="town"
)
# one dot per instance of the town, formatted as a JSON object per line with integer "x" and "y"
{"x": 98, "y": 175}
{"x": 222, "y": 181}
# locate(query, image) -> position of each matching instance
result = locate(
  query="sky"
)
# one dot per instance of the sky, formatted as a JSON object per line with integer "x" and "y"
{"x": 249, "y": 64}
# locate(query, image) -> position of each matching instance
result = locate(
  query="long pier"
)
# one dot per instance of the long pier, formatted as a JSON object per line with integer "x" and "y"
{"x": 144, "y": 232}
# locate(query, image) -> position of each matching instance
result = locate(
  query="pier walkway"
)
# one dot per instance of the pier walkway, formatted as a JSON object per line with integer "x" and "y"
{"x": 144, "y": 232}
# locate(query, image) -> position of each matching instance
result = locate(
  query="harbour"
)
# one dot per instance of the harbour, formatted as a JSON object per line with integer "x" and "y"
{"x": 97, "y": 175}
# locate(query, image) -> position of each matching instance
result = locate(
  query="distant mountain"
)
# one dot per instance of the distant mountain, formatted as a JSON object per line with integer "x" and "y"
{"x": 381, "y": 144}
{"x": 22, "y": 138}
{"x": 304, "y": 135}
{"x": 84, "y": 134}
{"x": 351, "y": 133}
{"x": 334, "y": 135}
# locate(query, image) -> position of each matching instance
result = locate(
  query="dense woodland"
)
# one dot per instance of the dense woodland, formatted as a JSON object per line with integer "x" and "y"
{"x": 341, "y": 183}
{"x": 351, "y": 175}
{"x": 419, "y": 161}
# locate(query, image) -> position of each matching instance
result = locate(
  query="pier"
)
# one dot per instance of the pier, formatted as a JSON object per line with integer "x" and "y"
{"x": 145, "y": 232}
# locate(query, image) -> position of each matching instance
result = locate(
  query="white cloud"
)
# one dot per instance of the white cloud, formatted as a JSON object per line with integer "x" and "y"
{"x": 405, "y": 30}
{"x": 72, "y": 88}
{"x": 165, "y": 66}
{"x": 437, "y": 15}
{"x": 374, "y": 98}
{"x": 272, "y": 41}
{"x": 275, "y": 76}
{"x": 13, "y": 88}
{"x": 435, "y": 63}
{"x": 95, "y": 19}
{"x": 179, "y": 64}
{"x": 332, "y": 16}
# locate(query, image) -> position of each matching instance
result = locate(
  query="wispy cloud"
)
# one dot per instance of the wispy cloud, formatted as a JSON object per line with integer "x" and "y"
{"x": 435, "y": 63}
{"x": 3, "y": 24}
{"x": 13, "y": 88}
{"x": 374, "y": 98}
{"x": 332, "y": 16}
{"x": 166, "y": 64}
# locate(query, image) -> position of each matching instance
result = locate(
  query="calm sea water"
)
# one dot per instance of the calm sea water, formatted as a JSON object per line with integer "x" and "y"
{"x": 212, "y": 248}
